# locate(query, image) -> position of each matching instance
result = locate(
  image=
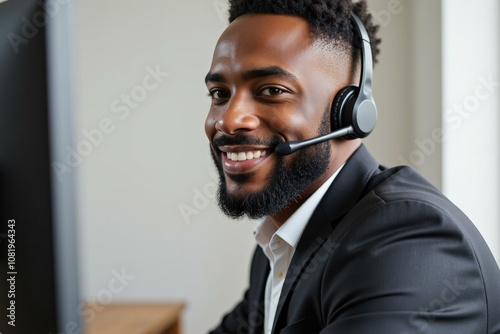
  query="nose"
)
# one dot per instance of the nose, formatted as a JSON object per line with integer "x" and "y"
{"x": 238, "y": 115}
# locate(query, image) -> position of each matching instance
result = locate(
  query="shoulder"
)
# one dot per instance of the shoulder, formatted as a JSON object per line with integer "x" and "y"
{"x": 404, "y": 247}
{"x": 402, "y": 212}
{"x": 401, "y": 194}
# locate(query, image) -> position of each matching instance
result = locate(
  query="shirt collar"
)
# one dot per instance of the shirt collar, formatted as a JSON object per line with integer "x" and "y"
{"x": 294, "y": 226}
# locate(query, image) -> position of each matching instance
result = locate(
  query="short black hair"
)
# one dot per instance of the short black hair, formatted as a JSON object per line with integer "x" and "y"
{"x": 328, "y": 20}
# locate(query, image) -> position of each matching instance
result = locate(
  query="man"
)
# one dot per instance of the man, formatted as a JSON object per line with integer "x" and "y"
{"x": 344, "y": 245}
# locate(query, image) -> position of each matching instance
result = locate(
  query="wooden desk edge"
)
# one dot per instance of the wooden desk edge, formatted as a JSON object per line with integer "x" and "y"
{"x": 171, "y": 318}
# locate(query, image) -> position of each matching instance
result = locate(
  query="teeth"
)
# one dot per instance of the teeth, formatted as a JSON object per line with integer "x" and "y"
{"x": 242, "y": 156}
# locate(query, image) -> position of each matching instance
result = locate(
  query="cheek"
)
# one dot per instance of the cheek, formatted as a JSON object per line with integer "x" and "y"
{"x": 297, "y": 125}
{"x": 281, "y": 120}
{"x": 316, "y": 119}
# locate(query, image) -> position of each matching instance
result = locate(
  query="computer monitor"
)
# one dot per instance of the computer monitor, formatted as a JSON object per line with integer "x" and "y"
{"x": 38, "y": 253}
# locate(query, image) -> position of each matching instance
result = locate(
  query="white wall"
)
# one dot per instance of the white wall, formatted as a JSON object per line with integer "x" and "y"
{"x": 471, "y": 104}
{"x": 392, "y": 83}
{"x": 155, "y": 160}
{"x": 426, "y": 78}
{"x": 407, "y": 85}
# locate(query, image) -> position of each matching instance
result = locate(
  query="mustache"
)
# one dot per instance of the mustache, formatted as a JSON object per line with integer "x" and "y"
{"x": 242, "y": 139}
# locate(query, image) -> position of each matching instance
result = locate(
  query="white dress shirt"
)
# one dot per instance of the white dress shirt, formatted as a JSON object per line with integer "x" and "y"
{"x": 279, "y": 245}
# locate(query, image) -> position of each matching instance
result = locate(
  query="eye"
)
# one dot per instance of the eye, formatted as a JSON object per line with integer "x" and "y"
{"x": 272, "y": 91}
{"x": 217, "y": 94}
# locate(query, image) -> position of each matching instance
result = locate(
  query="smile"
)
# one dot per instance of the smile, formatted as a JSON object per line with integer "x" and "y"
{"x": 243, "y": 156}
{"x": 242, "y": 159}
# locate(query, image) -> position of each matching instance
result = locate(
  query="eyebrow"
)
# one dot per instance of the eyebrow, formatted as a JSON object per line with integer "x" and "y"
{"x": 263, "y": 72}
{"x": 214, "y": 77}
{"x": 274, "y": 71}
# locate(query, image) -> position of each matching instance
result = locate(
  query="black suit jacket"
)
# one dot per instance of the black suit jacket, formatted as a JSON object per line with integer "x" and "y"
{"x": 384, "y": 252}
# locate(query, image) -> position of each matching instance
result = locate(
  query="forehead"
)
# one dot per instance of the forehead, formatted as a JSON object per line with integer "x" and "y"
{"x": 263, "y": 40}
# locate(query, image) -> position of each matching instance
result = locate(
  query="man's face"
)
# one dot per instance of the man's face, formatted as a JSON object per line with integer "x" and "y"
{"x": 269, "y": 84}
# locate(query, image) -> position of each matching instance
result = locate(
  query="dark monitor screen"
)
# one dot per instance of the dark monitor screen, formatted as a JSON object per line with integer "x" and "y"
{"x": 38, "y": 262}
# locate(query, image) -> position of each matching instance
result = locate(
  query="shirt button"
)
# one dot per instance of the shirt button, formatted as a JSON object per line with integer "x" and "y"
{"x": 281, "y": 274}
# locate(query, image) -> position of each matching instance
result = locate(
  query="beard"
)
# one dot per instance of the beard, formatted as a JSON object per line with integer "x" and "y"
{"x": 286, "y": 182}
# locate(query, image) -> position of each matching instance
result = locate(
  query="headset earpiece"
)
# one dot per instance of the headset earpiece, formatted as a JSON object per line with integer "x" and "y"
{"x": 353, "y": 107}
{"x": 342, "y": 109}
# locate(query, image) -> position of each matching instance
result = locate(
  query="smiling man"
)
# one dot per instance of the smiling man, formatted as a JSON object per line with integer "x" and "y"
{"x": 344, "y": 245}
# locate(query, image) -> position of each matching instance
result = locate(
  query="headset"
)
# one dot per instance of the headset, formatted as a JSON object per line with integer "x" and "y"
{"x": 353, "y": 113}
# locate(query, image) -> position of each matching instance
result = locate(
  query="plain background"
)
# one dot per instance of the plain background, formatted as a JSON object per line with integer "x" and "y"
{"x": 146, "y": 188}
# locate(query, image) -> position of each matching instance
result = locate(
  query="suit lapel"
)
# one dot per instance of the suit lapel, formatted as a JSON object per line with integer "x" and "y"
{"x": 350, "y": 184}
{"x": 259, "y": 273}
{"x": 342, "y": 195}
{"x": 311, "y": 241}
